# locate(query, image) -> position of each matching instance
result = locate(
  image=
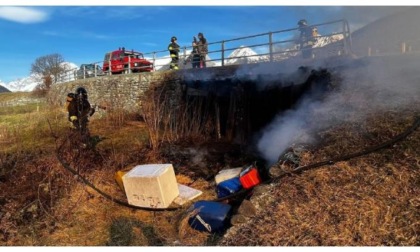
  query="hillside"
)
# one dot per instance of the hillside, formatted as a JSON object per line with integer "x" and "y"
{"x": 3, "y": 89}
{"x": 369, "y": 200}
{"x": 386, "y": 34}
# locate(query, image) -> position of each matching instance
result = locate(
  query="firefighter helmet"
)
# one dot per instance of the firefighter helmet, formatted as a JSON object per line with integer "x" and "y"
{"x": 81, "y": 93}
{"x": 81, "y": 90}
{"x": 302, "y": 22}
{"x": 173, "y": 39}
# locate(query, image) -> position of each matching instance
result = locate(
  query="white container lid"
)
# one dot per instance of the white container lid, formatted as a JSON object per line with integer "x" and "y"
{"x": 148, "y": 170}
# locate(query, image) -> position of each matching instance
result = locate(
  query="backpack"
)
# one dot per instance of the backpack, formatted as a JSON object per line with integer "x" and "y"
{"x": 70, "y": 97}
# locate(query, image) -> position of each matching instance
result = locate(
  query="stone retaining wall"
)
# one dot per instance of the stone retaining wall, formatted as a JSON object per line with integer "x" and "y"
{"x": 124, "y": 91}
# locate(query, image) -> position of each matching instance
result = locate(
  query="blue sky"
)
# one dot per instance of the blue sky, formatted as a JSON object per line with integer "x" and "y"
{"x": 82, "y": 34}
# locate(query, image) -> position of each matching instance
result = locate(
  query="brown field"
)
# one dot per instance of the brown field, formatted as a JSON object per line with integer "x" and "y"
{"x": 372, "y": 200}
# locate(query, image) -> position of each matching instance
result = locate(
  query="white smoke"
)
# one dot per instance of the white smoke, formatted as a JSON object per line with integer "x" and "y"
{"x": 287, "y": 128}
{"x": 366, "y": 86}
{"x": 198, "y": 157}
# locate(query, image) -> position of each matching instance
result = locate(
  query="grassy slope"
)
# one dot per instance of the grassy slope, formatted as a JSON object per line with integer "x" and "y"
{"x": 371, "y": 200}
{"x": 43, "y": 204}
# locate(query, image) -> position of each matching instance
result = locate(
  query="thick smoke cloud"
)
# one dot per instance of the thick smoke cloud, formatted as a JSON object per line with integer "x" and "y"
{"x": 366, "y": 86}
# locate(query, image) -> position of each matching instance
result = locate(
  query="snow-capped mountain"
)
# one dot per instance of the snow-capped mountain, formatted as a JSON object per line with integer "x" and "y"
{"x": 25, "y": 84}
{"x": 245, "y": 55}
{"x": 323, "y": 41}
{"x": 163, "y": 63}
{"x": 69, "y": 72}
{"x": 29, "y": 83}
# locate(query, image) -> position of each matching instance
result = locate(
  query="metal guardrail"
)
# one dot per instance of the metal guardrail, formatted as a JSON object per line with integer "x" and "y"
{"x": 407, "y": 46}
{"x": 334, "y": 39}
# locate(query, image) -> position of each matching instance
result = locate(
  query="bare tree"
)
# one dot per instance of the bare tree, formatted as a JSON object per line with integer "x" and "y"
{"x": 47, "y": 66}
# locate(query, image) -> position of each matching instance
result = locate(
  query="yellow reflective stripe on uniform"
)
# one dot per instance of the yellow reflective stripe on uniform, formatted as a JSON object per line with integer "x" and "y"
{"x": 173, "y": 55}
{"x": 73, "y": 118}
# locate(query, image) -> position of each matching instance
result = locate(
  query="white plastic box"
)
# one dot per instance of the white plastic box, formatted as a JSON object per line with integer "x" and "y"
{"x": 151, "y": 185}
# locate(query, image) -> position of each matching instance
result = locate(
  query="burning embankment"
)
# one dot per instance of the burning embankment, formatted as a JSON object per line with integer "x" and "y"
{"x": 371, "y": 200}
{"x": 363, "y": 87}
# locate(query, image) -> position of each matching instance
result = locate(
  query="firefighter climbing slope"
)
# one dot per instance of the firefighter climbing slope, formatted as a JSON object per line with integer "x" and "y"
{"x": 79, "y": 109}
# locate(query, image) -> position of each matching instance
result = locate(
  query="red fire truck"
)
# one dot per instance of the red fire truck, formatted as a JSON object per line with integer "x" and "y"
{"x": 124, "y": 61}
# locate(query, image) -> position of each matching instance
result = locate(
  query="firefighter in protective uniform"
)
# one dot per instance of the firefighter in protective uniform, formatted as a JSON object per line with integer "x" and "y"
{"x": 194, "y": 57}
{"x": 202, "y": 49}
{"x": 173, "y": 49}
{"x": 306, "y": 38}
{"x": 79, "y": 109}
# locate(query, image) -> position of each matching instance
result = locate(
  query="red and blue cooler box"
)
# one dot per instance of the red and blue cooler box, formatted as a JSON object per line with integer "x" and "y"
{"x": 249, "y": 178}
{"x": 228, "y": 187}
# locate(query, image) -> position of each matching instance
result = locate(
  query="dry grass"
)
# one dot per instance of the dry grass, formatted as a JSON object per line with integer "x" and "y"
{"x": 92, "y": 218}
{"x": 43, "y": 204}
{"x": 369, "y": 201}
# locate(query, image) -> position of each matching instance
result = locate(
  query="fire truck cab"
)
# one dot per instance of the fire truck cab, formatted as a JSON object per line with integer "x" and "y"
{"x": 124, "y": 61}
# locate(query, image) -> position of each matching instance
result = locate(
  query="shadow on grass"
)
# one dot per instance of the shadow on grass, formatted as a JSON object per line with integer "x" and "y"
{"x": 122, "y": 233}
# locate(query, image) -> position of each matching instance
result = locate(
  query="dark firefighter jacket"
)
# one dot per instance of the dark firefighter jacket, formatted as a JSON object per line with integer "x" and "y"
{"x": 173, "y": 49}
{"x": 306, "y": 36}
{"x": 202, "y": 47}
{"x": 194, "y": 58}
{"x": 78, "y": 108}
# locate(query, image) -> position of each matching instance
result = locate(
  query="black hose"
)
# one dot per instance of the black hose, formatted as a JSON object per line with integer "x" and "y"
{"x": 372, "y": 149}
{"x": 242, "y": 192}
{"x": 107, "y": 196}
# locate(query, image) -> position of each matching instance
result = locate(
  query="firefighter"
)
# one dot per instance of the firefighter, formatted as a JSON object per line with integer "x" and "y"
{"x": 173, "y": 49}
{"x": 70, "y": 97}
{"x": 315, "y": 32}
{"x": 306, "y": 39}
{"x": 79, "y": 109}
{"x": 194, "y": 57}
{"x": 202, "y": 49}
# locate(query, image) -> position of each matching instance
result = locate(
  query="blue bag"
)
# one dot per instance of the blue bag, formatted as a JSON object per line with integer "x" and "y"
{"x": 209, "y": 216}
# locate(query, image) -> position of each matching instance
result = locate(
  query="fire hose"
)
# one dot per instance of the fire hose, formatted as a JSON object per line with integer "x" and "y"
{"x": 68, "y": 167}
{"x": 297, "y": 170}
